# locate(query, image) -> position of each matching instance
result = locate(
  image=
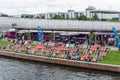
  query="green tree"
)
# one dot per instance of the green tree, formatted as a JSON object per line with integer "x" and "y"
{"x": 119, "y": 36}
{"x": 83, "y": 17}
{"x": 28, "y": 35}
{"x": 88, "y": 19}
{"x": 29, "y": 16}
{"x": 95, "y": 17}
{"x": 57, "y": 17}
{"x": 72, "y": 18}
{"x": 114, "y": 20}
{"x": 22, "y": 16}
{"x": 92, "y": 37}
{"x": 43, "y": 17}
{"x": 26, "y": 16}
{"x": 108, "y": 20}
{"x": 38, "y": 17}
{"x": 4, "y": 15}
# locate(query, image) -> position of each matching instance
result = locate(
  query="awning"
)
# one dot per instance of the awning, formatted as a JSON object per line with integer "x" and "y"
{"x": 103, "y": 33}
{"x": 22, "y": 31}
{"x": 73, "y": 33}
{"x": 10, "y": 30}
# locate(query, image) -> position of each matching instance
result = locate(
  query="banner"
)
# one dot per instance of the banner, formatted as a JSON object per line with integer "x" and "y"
{"x": 39, "y": 34}
{"x": 116, "y": 36}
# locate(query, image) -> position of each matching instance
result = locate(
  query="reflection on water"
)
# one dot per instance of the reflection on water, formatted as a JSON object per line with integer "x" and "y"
{"x": 15, "y": 69}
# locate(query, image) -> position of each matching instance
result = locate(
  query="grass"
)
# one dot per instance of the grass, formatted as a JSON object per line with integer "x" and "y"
{"x": 4, "y": 43}
{"x": 112, "y": 58}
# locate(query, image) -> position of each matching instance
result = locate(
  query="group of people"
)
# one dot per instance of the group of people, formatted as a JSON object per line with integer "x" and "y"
{"x": 90, "y": 53}
{"x": 17, "y": 45}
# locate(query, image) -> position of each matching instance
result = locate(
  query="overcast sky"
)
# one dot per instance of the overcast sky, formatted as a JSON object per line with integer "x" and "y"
{"x": 16, "y": 7}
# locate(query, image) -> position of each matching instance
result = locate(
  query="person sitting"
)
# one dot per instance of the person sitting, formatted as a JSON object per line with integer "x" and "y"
{"x": 56, "y": 44}
{"x": 3, "y": 48}
{"x": 27, "y": 52}
{"x": 0, "y": 48}
{"x": 90, "y": 57}
{"x": 50, "y": 53}
{"x": 68, "y": 57}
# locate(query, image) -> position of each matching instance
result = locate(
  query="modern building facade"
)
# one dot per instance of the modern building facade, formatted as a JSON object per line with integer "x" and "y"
{"x": 89, "y": 13}
{"x": 71, "y": 14}
{"x": 102, "y": 14}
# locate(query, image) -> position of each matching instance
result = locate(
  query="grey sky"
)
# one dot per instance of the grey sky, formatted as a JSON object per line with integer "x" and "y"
{"x": 13, "y": 7}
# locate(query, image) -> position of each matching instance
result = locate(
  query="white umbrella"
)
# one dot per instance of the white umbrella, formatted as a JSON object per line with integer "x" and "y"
{"x": 22, "y": 31}
{"x": 10, "y": 30}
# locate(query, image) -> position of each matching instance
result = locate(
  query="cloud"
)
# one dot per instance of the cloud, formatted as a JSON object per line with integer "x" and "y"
{"x": 42, "y": 6}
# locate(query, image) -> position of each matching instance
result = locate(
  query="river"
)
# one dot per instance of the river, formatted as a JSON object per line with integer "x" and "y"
{"x": 16, "y": 69}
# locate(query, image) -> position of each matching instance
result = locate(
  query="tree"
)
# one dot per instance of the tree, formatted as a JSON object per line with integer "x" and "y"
{"x": 38, "y": 17}
{"x": 22, "y": 16}
{"x": 72, "y": 18}
{"x": 88, "y": 19}
{"x": 57, "y": 17}
{"x": 108, "y": 20}
{"x": 4, "y": 15}
{"x": 119, "y": 36}
{"x": 26, "y": 16}
{"x": 83, "y": 17}
{"x": 95, "y": 17}
{"x": 29, "y": 16}
{"x": 92, "y": 37}
{"x": 43, "y": 17}
{"x": 28, "y": 35}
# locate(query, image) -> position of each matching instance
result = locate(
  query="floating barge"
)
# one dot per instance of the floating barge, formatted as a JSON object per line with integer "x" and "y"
{"x": 89, "y": 65}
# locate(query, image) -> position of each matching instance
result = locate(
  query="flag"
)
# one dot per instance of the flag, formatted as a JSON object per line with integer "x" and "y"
{"x": 39, "y": 34}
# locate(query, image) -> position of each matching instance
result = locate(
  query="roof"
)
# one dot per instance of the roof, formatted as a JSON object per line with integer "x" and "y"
{"x": 59, "y": 25}
{"x": 91, "y": 8}
{"x": 105, "y": 11}
{"x": 10, "y": 30}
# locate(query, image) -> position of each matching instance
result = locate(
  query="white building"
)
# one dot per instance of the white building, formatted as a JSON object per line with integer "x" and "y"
{"x": 89, "y": 13}
{"x": 71, "y": 14}
{"x": 102, "y": 14}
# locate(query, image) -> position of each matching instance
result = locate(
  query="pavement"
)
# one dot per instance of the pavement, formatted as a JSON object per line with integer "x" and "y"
{"x": 113, "y": 48}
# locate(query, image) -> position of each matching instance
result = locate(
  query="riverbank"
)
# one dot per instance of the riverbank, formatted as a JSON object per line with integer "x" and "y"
{"x": 89, "y": 65}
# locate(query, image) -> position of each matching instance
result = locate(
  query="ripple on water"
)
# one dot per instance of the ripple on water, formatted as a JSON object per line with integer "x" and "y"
{"x": 14, "y": 69}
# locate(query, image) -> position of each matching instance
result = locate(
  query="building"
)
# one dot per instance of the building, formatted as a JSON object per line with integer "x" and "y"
{"x": 102, "y": 14}
{"x": 71, "y": 14}
{"x": 89, "y": 12}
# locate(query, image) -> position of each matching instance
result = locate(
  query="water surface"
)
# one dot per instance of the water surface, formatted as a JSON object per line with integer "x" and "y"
{"x": 16, "y": 69}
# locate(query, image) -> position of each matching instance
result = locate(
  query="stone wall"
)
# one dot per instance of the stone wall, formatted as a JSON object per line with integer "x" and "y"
{"x": 105, "y": 67}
